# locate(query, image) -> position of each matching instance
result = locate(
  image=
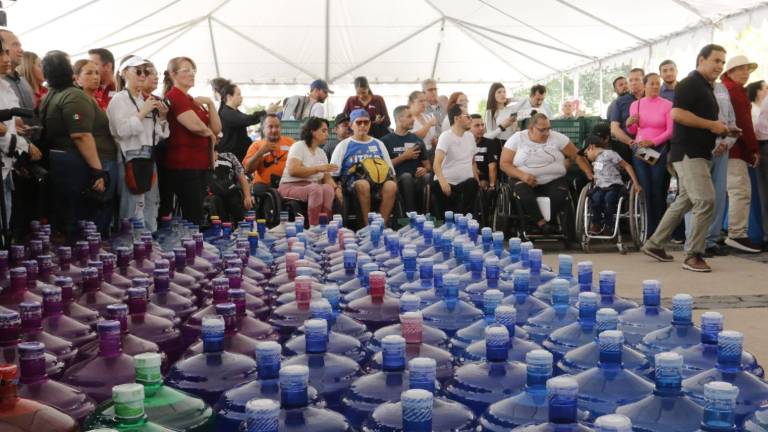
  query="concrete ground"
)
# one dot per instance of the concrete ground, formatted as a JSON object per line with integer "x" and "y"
{"x": 737, "y": 287}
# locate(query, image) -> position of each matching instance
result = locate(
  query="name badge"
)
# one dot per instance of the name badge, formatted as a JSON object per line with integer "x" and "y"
{"x": 598, "y": 166}
{"x": 482, "y": 149}
{"x": 373, "y": 148}
{"x": 409, "y": 145}
{"x": 479, "y": 158}
{"x": 284, "y": 148}
{"x": 399, "y": 149}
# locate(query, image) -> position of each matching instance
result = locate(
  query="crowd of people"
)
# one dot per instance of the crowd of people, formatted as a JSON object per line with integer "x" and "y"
{"x": 106, "y": 143}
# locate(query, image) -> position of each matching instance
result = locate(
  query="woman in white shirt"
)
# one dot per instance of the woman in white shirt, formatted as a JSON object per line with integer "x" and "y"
{"x": 534, "y": 159}
{"x": 500, "y": 115}
{"x": 423, "y": 123}
{"x": 307, "y": 175}
{"x": 137, "y": 124}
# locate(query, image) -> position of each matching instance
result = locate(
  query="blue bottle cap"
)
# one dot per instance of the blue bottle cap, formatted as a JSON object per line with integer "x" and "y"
{"x": 539, "y": 357}
{"x": 393, "y": 352}
{"x": 611, "y": 341}
{"x": 584, "y": 266}
{"x": 515, "y": 243}
{"x": 587, "y": 299}
{"x": 423, "y": 371}
{"x": 294, "y": 378}
{"x": 730, "y": 342}
{"x": 440, "y": 269}
{"x": 562, "y": 386}
{"x": 409, "y": 303}
{"x": 417, "y": 407}
{"x": 565, "y": 265}
{"x": 720, "y": 395}
{"x": 331, "y": 292}
{"x": 321, "y": 309}
{"x": 213, "y": 328}
{"x": 426, "y": 268}
{"x": 267, "y": 352}
{"x": 682, "y": 307}
{"x": 506, "y": 315}
{"x": 607, "y": 282}
{"x": 613, "y": 423}
{"x": 496, "y": 343}
{"x": 607, "y": 319}
{"x": 712, "y": 322}
{"x": 521, "y": 280}
{"x": 560, "y": 291}
{"x": 262, "y": 415}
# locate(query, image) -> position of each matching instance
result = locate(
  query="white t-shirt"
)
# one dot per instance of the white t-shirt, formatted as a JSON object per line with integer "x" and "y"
{"x": 544, "y": 161}
{"x": 459, "y": 155}
{"x": 432, "y": 133}
{"x": 300, "y": 151}
{"x": 318, "y": 110}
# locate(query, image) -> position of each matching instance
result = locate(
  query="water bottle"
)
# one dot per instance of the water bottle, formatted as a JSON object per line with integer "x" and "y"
{"x": 681, "y": 333}
{"x": 605, "y": 387}
{"x": 752, "y": 390}
{"x": 637, "y": 322}
{"x": 429, "y": 335}
{"x": 518, "y": 346}
{"x": 667, "y": 409}
{"x": 375, "y": 310}
{"x": 451, "y": 314}
{"x": 574, "y": 335}
{"x": 613, "y": 423}
{"x": 475, "y": 290}
{"x": 31, "y": 314}
{"x": 479, "y": 384}
{"x": 559, "y": 315}
{"x": 562, "y": 396}
{"x": 608, "y": 297}
{"x": 130, "y": 344}
{"x": 476, "y": 331}
{"x": 527, "y": 306}
{"x": 338, "y": 343}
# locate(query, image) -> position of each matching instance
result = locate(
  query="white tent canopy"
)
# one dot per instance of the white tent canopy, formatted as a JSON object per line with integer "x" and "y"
{"x": 279, "y": 43}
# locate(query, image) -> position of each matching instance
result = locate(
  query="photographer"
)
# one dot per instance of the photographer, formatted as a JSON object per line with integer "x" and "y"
{"x": 11, "y": 144}
{"x": 137, "y": 124}
{"x": 69, "y": 119}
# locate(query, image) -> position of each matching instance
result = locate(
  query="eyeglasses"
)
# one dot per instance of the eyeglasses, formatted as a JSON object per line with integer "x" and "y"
{"x": 362, "y": 122}
{"x": 187, "y": 70}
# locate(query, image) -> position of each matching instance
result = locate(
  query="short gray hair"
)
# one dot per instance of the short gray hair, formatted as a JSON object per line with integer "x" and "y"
{"x": 426, "y": 83}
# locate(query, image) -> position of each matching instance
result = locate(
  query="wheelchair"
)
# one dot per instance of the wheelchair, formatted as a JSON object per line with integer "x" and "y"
{"x": 508, "y": 216}
{"x": 268, "y": 203}
{"x": 352, "y": 213}
{"x": 630, "y": 216}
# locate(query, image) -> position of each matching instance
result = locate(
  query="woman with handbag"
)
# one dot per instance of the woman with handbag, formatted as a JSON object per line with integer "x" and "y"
{"x": 73, "y": 128}
{"x": 195, "y": 126}
{"x": 650, "y": 119}
{"x": 137, "y": 124}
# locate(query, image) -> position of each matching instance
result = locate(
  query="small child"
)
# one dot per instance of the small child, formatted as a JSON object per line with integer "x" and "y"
{"x": 229, "y": 187}
{"x": 605, "y": 195}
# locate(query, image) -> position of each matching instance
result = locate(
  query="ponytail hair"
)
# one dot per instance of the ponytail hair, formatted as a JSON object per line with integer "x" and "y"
{"x": 174, "y": 65}
{"x": 223, "y": 87}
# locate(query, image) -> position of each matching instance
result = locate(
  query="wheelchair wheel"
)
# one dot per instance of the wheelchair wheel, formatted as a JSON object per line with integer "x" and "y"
{"x": 270, "y": 208}
{"x": 638, "y": 218}
{"x": 582, "y": 218}
{"x": 502, "y": 211}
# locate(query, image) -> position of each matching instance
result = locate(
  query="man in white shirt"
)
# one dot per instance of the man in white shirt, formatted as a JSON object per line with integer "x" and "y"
{"x": 433, "y": 108}
{"x": 456, "y": 178}
{"x": 535, "y": 102}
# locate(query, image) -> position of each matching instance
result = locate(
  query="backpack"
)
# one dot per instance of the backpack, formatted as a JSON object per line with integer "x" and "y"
{"x": 296, "y": 108}
{"x": 373, "y": 169}
{"x": 224, "y": 179}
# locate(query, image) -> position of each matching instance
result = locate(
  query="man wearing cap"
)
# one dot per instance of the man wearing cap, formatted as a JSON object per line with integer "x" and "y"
{"x": 365, "y": 169}
{"x": 694, "y": 112}
{"x": 341, "y": 127}
{"x": 312, "y": 105}
{"x": 743, "y": 154}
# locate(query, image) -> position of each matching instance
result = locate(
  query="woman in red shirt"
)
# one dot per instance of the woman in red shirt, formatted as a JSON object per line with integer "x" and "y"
{"x": 374, "y": 104}
{"x": 195, "y": 126}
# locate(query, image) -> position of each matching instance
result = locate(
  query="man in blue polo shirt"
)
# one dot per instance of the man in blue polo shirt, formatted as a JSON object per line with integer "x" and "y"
{"x": 366, "y": 170}
{"x": 620, "y": 110}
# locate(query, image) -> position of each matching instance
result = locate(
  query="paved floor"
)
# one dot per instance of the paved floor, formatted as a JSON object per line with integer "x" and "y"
{"x": 737, "y": 287}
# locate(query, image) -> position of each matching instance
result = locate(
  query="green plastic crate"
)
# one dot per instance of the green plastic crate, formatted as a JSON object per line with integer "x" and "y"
{"x": 292, "y": 128}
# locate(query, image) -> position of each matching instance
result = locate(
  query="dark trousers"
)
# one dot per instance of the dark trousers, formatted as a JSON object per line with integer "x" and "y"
{"x": 70, "y": 176}
{"x": 604, "y": 203}
{"x": 190, "y": 188}
{"x": 230, "y": 206}
{"x": 411, "y": 188}
{"x": 655, "y": 182}
{"x": 165, "y": 190}
{"x": 556, "y": 191}
{"x": 462, "y": 198}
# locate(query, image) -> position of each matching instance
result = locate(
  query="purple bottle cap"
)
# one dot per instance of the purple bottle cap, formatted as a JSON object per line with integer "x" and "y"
{"x": 31, "y": 362}
{"x": 119, "y": 313}
{"x": 31, "y": 316}
{"x": 67, "y": 287}
{"x": 52, "y": 302}
{"x": 220, "y": 290}
{"x": 137, "y": 300}
{"x": 109, "y": 338}
{"x": 10, "y": 327}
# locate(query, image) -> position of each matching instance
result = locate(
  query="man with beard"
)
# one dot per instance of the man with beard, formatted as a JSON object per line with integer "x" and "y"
{"x": 410, "y": 158}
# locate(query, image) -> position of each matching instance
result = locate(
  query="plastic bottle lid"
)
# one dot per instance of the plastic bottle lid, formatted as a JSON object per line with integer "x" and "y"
{"x": 668, "y": 360}
{"x": 262, "y": 414}
{"x": 563, "y": 385}
{"x": 539, "y": 357}
{"x": 129, "y": 400}
{"x": 613, "y": 423}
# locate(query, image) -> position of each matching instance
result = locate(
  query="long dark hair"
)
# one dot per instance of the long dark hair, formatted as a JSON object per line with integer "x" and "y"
{"x": 311, "y": 125}
{"x": 57, "y": 69}
{"x": 223, "y": 88}
{"x": 491, "y": 104}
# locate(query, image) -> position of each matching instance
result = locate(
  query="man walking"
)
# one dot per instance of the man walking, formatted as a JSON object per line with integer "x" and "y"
{"x": 695, "y": 112}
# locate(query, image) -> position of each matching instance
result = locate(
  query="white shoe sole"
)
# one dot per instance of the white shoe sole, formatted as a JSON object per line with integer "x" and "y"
{"x": 736, "y": 245}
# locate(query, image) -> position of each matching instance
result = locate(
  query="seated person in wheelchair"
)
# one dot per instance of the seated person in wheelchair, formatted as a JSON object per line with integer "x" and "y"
{"x": 456, "y": 179}
{"x": 229, "y": 187}
{"x": 604, "y": 196}
{"x": 534, "y": 159}
{"x": 365, "y": 170}
{"x": 266, "y": 158}
{"x": 307, "y": 173}
{"x": 410, "y": 158}
{"x": 487, "y": 156}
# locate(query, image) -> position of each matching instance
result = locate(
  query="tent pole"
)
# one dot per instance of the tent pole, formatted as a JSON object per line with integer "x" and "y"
{"x": 327, "y": 71}
{"x": 385, "y": 50}
{"x": 600, "y": 87}
{"x": 213, "y": 47}
{"x": 494, "y": 53}
{"x": 437, "y": 50}
{"x": 602, "y": 21}
{"x": 183, "y": 29}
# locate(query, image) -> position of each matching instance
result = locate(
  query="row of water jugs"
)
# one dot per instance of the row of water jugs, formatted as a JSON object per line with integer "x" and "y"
{"x": 326, "y": 329}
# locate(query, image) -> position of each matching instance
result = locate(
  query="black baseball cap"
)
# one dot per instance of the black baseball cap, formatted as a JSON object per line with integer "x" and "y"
{"x": 603, "y": 130}
{"x": 341, "y": 118}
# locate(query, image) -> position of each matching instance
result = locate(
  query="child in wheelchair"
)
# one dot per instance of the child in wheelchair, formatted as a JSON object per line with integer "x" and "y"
{"x": 229, "y": 189}
{"x": 608, "y": 183}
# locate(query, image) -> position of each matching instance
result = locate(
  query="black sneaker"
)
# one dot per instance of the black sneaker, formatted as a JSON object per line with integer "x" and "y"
{"x": 715, "y": 251}
{"x": 743, "y": 244}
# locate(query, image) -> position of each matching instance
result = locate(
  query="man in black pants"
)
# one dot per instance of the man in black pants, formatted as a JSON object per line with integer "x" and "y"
{"x": 409, "y": 156}
{"x": 456, "y": 178}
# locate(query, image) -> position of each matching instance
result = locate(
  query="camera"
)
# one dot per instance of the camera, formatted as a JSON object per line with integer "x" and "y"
{"x": 24, "y": 164}
{"x": 165, "y": 101}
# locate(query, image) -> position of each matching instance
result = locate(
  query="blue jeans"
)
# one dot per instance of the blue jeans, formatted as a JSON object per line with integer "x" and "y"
{"x": 604, "y": 203}
{"x": 719, "y": 171}
{"x": 654, "y": 180}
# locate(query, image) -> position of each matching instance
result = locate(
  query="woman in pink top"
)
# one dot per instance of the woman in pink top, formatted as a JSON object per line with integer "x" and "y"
{"x": 650, "y": 120}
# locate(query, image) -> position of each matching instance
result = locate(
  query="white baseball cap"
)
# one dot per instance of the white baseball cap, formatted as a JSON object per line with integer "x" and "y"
{"x": 132, "y": 61}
